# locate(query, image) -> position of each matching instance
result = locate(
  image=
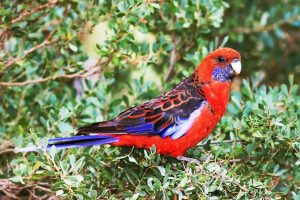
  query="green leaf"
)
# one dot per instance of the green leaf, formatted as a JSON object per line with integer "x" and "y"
{"x": 150, "y": 183}
{"x": 155, "y": 5}
{"x": 162, "y": 170}
{"x": 64, "y": 113}
{"x": 132, "y": 159}
{"x": 74, "y": 180}
{"x": 73, "y": 47}
{"x": 65, "y": 127}
{"x": 59, "y": 192}
{"x": 52, "y": 152}
{"x": 122, "y": 6}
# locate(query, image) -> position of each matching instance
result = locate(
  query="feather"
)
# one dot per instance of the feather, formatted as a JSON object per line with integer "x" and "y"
{"x": 77, "y": 138}
{"x": 74, "y": 142}
{"x": 83, "y": 143}
{"x": 182, "y": 126}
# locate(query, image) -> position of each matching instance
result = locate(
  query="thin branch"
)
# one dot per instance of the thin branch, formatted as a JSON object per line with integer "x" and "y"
{"x": 11, "y": 150}
{"x": 32, "y": 194}
{"x": 226, "y": 141}
{"x": 9, "y": 189}
{"x": 172, "y": 60}
{"x": 171, "y": 64}
{"x": 218, "y": 175}
{"x": 43, "y": 188}
{"x": 25, "y": 14}
{"x": 27, "y": 52}
{"x": 12, "y": 190}
{"x": 267, "y": 28}
{"x": 223, "y": 141}
{"x": 82, "y": 74}
{"x": 45, "y": 43}
{"x": 6, "y": 147}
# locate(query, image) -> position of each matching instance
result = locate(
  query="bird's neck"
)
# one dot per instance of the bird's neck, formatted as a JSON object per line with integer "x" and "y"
{"x": 217, "y": 95}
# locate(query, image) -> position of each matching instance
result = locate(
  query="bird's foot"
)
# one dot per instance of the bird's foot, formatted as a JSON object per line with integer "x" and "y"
{"x": 190, "y": 160}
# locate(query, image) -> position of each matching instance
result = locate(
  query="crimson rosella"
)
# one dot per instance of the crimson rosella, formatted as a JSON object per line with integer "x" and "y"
{"x": 174, "y": 121}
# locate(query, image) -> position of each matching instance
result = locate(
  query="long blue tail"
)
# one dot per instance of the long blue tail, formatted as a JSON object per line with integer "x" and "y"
{"x": 74, "y": 142}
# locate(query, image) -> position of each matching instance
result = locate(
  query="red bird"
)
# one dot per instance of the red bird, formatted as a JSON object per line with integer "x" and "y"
{"x": 174, "y": 121}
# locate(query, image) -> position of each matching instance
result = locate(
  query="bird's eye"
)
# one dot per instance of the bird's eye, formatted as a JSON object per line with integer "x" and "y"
{"x": 221, "y": 59}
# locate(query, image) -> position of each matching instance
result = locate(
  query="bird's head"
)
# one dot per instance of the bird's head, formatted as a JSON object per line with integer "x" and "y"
{"x": 220, "y": 65}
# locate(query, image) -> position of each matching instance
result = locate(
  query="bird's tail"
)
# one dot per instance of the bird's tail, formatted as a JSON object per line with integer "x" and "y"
{"x": 74, "y": 142}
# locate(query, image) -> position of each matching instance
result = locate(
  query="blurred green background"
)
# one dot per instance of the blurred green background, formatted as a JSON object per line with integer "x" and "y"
{"x": 64, "y": 64}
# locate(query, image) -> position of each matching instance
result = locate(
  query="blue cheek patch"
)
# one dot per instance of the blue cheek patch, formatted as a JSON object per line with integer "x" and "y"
{"x": 223, "y": 74}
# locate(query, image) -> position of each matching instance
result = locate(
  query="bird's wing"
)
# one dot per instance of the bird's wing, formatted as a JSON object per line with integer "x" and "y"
{"x": 170, "y": 114}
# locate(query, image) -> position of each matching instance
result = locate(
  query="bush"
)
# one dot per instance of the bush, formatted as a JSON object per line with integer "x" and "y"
{"x": 141, "y": 49}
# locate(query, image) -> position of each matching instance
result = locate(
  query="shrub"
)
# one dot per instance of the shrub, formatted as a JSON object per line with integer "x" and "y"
{"x": 143, "y": 49}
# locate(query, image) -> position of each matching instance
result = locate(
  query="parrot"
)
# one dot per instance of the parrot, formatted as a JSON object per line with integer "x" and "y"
{"x": 176, "y": 120}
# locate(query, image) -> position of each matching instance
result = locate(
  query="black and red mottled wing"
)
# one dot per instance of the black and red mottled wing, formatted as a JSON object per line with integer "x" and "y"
{"x": 169, "y": 114}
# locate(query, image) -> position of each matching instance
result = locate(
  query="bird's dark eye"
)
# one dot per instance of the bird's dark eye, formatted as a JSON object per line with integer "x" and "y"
{"x": 221, "y": 59}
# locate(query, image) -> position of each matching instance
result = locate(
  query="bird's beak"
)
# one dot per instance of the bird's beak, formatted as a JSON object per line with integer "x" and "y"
{"x": 236, "y": 66}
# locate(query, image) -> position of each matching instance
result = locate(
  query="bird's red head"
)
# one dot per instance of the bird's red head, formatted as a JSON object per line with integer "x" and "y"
{"x": 220, "y": 65}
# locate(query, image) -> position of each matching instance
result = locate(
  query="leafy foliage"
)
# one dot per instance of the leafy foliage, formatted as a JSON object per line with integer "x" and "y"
{"x": 267, "y": 34}
{"x": 145, "y": 47}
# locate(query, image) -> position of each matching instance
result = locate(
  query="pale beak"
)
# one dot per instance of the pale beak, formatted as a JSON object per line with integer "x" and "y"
{"x": 236, "y": 66}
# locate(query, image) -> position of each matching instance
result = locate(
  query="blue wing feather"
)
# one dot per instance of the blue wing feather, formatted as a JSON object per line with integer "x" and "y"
{"x": 83, "y": 143}
{"x": 74, "y": 141}
{"x": 78, "y": 138}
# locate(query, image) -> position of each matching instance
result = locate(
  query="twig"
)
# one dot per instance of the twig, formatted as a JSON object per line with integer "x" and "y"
{"x": 25, "y": 14}
{"x": 27, "y": 52}
{"x": 172, "y": 58}
{"x": 9, "y": 189}
{"x": 224, "y": 141}
{"x": 270, "y": 27}
{"x": 82, "y": 74}
{"x": 43, "y": 188}
{"x": 171, "y": 65}
{"x": 12, "y": 190}
{"x": 218, "y": 175}
{"x": 6, "y": 147}
{"x": 11, "y": 150}
{"x": 45, "y": 43}
{"x": 32, "y": 194}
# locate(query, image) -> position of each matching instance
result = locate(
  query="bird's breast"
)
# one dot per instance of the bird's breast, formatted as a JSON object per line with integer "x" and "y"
{"x": 217, "y": 95}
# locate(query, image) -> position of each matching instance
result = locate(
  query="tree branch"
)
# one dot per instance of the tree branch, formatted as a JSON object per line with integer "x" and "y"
{"x": 82, "y": 74}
